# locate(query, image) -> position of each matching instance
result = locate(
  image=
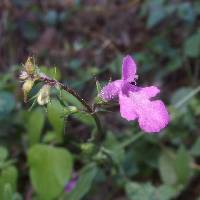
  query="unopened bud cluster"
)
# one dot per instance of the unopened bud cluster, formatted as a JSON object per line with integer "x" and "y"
{"x": 29, "y": 75}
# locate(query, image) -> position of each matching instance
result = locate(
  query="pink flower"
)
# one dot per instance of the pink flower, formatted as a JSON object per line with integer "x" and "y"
{"x": 135, "y": 102}
{"x": 72, "y": 183}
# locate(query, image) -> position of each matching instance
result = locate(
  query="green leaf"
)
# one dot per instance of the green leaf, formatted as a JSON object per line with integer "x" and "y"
{"x": 7, "y": 193}
{"x": 7, "y": 104}
{"x": 147, "y": 191}
{"x": 182, "y": 165}
{"x": 29, "y": 30}
{"x": 192, "y": 46}
{"x": 74, "y": 64}
{"x": 84, "y": 183}
{"x": 3, "y": 153}
{"x": 17, "y": 196}
{"x": 177, "y": 98}
{"x": 156, "y": 15}
{"x": 50, "y": 170}
{"x": 35, "y": 125}
{"x": 167, "y": 192}
{"x": 56, "y": 118}
{"x": 195, "y": 150}
{"x": 51, "y": 17}
{"x": 71, "y": 100}
{"x": 85, "y": 118}
{"x": 135, "y": 191}
{"x": 98, "y": 86}
{"x": 8, "y": 177}
{"x": 197, "y": 7}
{"x": 167, "y": 169}
{"x": 53, "y": 72}
{"x": 186, "y": 12}
{"x": 170, "y": 67}
{"x": 49, "y": 137}
{"x": 117, "y": 152}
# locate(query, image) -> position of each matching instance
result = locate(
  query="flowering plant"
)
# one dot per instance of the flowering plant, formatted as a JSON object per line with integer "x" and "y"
{"x": 135, "y": 103}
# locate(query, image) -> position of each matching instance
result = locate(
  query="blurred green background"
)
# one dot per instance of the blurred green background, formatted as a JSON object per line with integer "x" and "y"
{"x": 85, "y": 41}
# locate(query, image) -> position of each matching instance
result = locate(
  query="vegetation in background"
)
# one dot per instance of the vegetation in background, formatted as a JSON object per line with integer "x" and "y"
{"x": 84, "y": 41}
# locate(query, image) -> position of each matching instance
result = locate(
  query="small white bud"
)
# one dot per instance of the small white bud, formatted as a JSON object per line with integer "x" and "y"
{"x": 44, "y": 95}
{"x": 29, "y": 66}
{"x": 27, "y": 86}
{"x": 23, "y": 75}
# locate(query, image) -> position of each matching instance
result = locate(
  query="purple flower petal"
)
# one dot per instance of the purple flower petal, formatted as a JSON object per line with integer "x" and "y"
{"x": 111, "y": 90}
{"x": 71, "y": 184}
{"x": 153, "y": 115}
{"x": 149, "y": 92}
{"x": 128, "y": 69}
{"x": 126, "y": 88}
{"x": 127, "y": 107}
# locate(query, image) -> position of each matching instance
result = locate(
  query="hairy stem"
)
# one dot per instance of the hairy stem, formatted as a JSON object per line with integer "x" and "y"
{"x": 53, "y": 82}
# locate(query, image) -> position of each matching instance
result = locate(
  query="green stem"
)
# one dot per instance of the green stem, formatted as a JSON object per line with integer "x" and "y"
{"x": 187, "y": 98}
{"x": 131, "y": 140}
{"x": 54, "y": 82}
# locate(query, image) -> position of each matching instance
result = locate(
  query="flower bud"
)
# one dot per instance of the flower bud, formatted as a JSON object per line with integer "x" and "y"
{"x": 29, "y": 67}
{"x": 100, "y": 157}
{"x": 23, "y": 75}
{"x": 87, "y": 148}
{"x": 27, "y": 86}
{"x": 72, "y": 183}
{"x": 44, "y": 95}
{"x": 72, "y": 109}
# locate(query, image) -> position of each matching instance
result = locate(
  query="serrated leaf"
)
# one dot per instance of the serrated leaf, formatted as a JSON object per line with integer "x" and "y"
{"x": 50, "y": 170}
{"x": 84, "y": 183}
